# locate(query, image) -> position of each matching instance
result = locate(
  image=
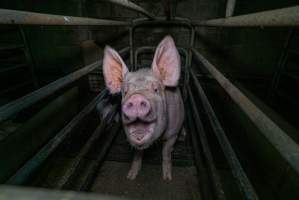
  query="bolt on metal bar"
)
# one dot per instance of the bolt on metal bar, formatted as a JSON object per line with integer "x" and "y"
{"x": 24, "y": 172}
{"x": 243, "y": 182}
{"x": 32, "y": 18}
{"x": 88, "y": 145}
{"x": 15, "y": 106}
{"x": 217, "y": 185}
{"x": 132, "y": 6}
{"x": 272, "y": 18}
{"x": 285, "y": 145}
{"x": 230, "y": 8}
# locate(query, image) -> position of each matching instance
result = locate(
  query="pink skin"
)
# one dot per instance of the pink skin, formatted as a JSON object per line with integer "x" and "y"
{"x": 152, "y": 105}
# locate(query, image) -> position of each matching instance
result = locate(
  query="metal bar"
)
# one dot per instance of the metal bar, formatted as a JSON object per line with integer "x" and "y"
{"x": 167, "y": 9}
{"x": 152, "y": 49}
{"x": 15, "y": 106}
{"x": 132, "y": 6}
{"x": 29, "y": 57}
{"x": 6, "y": 69}
{"x": 131, "y": 36}
{"x": 32, "y": 18}
{"x": 177, "y": 21}
{"x": 88, "y": 145}
{"x": 91, "y": 175}
{"x": 24, "y": 172}
{"x": 272, "y": 18}
{"x": 230, "y": 8}
{"x": 288, "y": 149}
{"x": 243, "y": 182}
{"x": 201, "y": 171}
{"x": 21, "y": 193}
{"x": 217, "y": 185}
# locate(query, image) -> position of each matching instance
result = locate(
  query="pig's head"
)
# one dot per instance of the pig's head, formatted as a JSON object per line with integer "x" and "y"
{"x": 144, "y": 111}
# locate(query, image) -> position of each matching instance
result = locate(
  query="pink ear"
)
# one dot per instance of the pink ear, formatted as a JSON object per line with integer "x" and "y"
{"x": 166, "y": 64}
{"x": 114, "y": 70}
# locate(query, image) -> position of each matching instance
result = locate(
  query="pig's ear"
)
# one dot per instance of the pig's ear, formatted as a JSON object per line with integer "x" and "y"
{"x": 166, "y": 64}
{"x": 114, "y": 70}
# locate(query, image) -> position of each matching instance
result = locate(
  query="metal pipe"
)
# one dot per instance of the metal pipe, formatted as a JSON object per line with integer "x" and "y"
{"x": 152, "y": 49}
{"x": 24, "y": 172}
{"x": 15, "y": 106}
{"x": 92, "y": 171}
{"x": 88, "y": 145}
{"x": 132, "y": 6}
{"x": 243, "y": 182}
{"x": 198, "y": 160}
{"x": 230, "y": 8}
{"x": 217, "y": 185}
{"x": 285, "y": 145}
{"x": 32, "y": 18}
{"x": 177, "y": 21}
{"x": 272, "y": 18}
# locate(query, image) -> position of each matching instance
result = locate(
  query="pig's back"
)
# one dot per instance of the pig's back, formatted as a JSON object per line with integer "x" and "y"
{"x": 175, "y": 111}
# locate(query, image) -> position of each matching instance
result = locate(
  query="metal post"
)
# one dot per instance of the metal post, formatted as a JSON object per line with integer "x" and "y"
{"x": 217, "y": 185}
{"x": 132, "y": 6}
{"x": 272, "y": 18}
{"x": 15, "y": 106}
{"x": 32, "y": 18}
{"x": 285, "y": 145}
{"x": 24, "y": 172}
{"x": 230, "y": 8}
{"x": 242, "y": 180}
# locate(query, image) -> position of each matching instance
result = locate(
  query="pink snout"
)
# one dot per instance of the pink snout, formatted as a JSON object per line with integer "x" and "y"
{"x": 136, "y": 106}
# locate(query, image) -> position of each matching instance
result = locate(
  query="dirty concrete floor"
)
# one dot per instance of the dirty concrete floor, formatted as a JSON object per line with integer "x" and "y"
{"x": 149, "y": 184}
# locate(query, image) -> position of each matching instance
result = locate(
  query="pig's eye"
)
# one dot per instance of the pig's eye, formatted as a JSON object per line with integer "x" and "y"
{"x": 156, "y": 90}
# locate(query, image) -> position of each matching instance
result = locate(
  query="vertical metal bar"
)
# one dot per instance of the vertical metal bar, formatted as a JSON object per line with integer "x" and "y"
{"x": 285, "y": 145}
{"x": 243, "y": 182}
{"x": 131, "y": 38}
{"x": 167, "y": 9}
{"x": 217, "y": 185}
{"x": 29, "y": 56}
{"x": 230, "y": 8}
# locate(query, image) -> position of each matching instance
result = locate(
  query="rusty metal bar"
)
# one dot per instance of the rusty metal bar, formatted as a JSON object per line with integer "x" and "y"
{"x": 132, "y": 6}
{"x": 230, "y": 8}
{"x": 15, "y": 106}
{"x": 272, "y": 18}
{"x": 214, "y": 175}
{"x": 32, "y": 18}
{"x": 24, "y": 172}
{"x": 285, "y": 145}
{"x": 243, "y": 182}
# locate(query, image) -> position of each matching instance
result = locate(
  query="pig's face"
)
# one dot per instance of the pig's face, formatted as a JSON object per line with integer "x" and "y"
{"x": 144, "y": 111}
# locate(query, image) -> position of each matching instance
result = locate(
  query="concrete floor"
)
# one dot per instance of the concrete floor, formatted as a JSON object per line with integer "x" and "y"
{"x": 148, "y": 184}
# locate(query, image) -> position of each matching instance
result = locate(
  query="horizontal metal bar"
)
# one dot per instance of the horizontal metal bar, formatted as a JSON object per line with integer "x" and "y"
{"x": 6, "y": 69}
{"x": 230, "y": 8}
{"x": 177, "y": 21}
{"x": 86, "y": 148}
{"x": 15, "y": 106}
{"x": 285, "y": 145}
{"x": 32, "y": 18}
{"x": 24, "y": 172}
{"x": 11, "y": 47}
{"x": 132, "y": 6}
{"x": 243, "y": 182}
{"x": 21, "y": 193}
{"x": 214, "y": 175}
{"x": 272, "y": 18}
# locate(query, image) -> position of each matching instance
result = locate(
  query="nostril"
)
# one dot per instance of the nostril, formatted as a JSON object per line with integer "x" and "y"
{"x": 129, "y": 105}
{"x": 143, "y": 104}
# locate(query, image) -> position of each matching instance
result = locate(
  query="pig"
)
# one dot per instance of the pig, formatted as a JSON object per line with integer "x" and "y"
{"x": 152, "y": 106}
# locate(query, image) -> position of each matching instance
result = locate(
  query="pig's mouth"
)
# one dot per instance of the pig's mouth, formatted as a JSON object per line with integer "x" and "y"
{"x": 140, "y": 133}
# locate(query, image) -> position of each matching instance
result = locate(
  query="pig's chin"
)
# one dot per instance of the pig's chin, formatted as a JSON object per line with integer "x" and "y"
{"x": 140, "y": 134}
